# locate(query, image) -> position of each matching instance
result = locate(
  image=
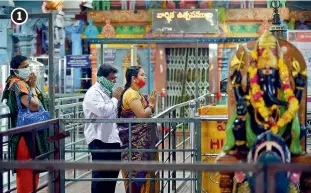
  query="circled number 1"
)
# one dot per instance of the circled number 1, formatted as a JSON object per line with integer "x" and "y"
{"x": 19, "y": 18}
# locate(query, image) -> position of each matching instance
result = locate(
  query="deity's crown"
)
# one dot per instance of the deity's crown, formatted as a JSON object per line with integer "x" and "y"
{"x": 267, "y": 39}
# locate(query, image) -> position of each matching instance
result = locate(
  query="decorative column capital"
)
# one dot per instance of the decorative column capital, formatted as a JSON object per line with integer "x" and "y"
{"x": 24, "y": 42}
{"x": 276, "y": 28}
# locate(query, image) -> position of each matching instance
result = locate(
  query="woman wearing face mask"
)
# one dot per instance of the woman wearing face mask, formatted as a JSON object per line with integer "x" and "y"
{"x": 20, "y": 82}
{"x": 133, "y": 104}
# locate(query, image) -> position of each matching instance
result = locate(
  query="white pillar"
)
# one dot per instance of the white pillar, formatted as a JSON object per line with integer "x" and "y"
{"x": 134, "y": 56}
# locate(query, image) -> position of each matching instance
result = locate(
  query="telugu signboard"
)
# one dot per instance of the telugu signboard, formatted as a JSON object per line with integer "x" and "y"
{"x": 80, "y": 61}
{"x": 185, "y": 21}
{"x": 302, "y": 40}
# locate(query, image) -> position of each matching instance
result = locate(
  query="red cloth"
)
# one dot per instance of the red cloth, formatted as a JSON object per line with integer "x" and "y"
{"x": 24, "y": 177}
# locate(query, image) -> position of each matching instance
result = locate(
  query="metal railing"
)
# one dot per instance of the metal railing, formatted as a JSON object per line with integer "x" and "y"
{"x": 58, "y": 151}
{"x": 62, "y": 110}
{"x": 56, "y": 169}
{"x": 260, "y": 170}
{"x": 53, "y": 153}
{"x": 71, "y": 108}
{"x": 262, "y": 185}
{"x": 76, "y": 145}
{"x": 189, "y": 151}
{"x": 168, "y": 151}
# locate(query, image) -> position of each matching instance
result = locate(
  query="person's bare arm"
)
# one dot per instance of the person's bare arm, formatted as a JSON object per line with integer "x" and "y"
{"x": 139, "y": 110}
{"x": 34, "y": 102}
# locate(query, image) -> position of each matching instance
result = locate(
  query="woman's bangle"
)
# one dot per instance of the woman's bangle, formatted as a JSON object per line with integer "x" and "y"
{"x": 149, "y": 109}
{"x": 34, "y": 92}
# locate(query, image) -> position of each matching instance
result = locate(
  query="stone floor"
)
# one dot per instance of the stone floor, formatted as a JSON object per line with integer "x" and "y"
{"x": 85, "y": 187}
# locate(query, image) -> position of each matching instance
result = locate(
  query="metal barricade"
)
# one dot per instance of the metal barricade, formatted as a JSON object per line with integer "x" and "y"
{"x": 67, "y": 107}
{"x": 52, "y": 154}
{"x": 59, "y": 151}
{"x": 168, "y": 140}
{"x": 76, "y": 145}
{"x": 172, "y": 147}
{"x": 57, "y": 168}
{"x": 168, "y": 152}
{"x": 147, "y": 166}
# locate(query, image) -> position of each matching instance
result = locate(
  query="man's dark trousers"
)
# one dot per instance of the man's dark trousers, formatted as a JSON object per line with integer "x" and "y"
{"x": 104, "y": 186}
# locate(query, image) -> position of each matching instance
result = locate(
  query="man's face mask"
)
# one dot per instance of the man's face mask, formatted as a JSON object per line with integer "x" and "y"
{"x": 23, "y": 73}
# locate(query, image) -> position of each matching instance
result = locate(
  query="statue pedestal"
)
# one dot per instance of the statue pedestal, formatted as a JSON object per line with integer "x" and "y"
{"x": 305, "y": 179}
{"x": 226, "y": 181}
{"x": 213, "y": 136}
{"x": 226, "y": 178}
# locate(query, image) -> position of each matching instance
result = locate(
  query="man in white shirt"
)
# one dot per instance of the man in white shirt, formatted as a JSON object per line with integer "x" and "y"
{"x": 100, "y": 102}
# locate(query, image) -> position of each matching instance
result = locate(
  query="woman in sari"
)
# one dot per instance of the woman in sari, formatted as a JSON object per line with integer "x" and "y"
{"x": 19, "y": 84}
{"x": 133, "y": 104}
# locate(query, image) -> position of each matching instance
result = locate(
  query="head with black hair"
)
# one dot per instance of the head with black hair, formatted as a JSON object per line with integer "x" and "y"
{"x": 18, "y": 65}
{"x": 108, "y": 71}
{"x": 136, "y": 79}
{"x": 107, "y": 77}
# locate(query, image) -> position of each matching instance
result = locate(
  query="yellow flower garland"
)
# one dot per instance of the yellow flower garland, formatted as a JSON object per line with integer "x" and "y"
{"x": 293, "y": 104}
{"x": 259, "y": 103}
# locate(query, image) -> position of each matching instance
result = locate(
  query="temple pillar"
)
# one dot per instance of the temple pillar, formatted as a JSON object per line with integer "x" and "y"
{"x": 26, "y": 36}
{"x": 5, "y": 47}
{"x": 129, "y": 59}
{"x": 134, "y": 61}
{"x": 25, "y": 43}
{"x": 93, "y": 58}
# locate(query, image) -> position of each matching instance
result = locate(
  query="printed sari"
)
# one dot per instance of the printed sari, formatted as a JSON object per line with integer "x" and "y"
{"x": 141, "y": 138}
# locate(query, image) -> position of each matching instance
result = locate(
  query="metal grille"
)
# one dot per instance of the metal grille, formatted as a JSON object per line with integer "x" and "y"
{"x": 181, "y": 74}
